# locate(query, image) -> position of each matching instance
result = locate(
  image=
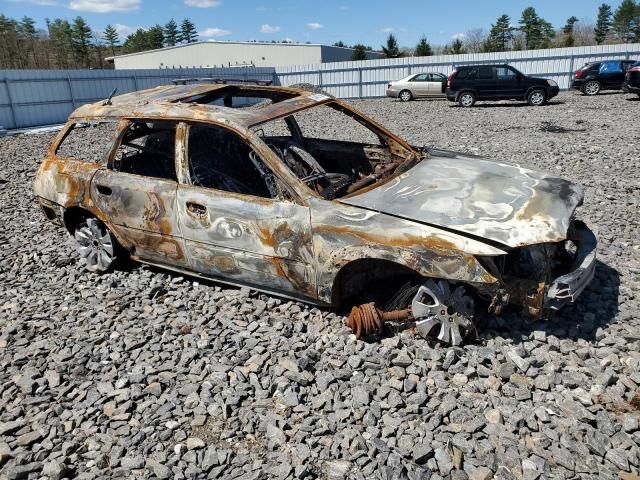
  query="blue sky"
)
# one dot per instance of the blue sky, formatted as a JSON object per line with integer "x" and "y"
{"x": 365, "y": 21}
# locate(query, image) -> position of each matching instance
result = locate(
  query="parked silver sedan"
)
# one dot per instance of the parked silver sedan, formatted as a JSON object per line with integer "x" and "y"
{"x": 418, "y": 85}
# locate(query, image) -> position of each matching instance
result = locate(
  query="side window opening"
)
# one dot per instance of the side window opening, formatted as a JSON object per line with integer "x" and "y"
{"x": 485, "y": 73}
{"x": 148, "y": 149}
{"x": 89, "y": 141}
{"x": 220, "y": 159}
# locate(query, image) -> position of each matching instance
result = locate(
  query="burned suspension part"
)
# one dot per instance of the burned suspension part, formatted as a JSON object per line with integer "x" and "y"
{"x": 435, "y": 304}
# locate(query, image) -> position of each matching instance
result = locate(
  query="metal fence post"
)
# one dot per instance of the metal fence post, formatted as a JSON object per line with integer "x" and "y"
{"x": 359, "y": 82}
{"x": 11, "y": 105}
{"x": 571, "y": 67}
{"x": 135, "y": 82}
{"x": 71, "y": 97}
{"x": 320, "y": 78}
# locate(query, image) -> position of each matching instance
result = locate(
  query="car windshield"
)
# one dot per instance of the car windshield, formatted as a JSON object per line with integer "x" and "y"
{"x": 336, "y": 151}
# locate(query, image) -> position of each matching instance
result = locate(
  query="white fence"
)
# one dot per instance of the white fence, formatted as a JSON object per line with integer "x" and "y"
{"x": 366, "y": 79}
{"x": 41, "y": 97}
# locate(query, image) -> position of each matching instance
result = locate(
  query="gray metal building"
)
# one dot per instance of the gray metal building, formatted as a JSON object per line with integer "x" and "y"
{"x": 233, "y": 54}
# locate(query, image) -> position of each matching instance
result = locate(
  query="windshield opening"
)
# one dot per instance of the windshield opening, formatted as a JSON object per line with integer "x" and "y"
{"x": 333, "y": 150}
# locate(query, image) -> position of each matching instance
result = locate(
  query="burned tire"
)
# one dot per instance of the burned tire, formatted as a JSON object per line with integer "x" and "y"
{"x": 592, "y": 87}
{"x": 467, "y": 99}
{"x": 537, "y": 98}
{"x": 96, "y": 245}
{"x": 405, "y": 96}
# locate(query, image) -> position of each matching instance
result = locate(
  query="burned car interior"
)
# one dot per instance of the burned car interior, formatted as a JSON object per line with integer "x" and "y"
{"x": 297, "y": 194}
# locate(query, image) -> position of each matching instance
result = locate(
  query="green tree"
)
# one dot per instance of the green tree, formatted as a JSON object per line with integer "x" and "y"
{"x": 457, "y": 47}
{"x": 391, "y": 49}
{"x": 500, "y": 35}
{"x": 567, "y": 30}
{"x": 359, "y": 52}
{"x": 626, "y": 20}
{"x": 9, "y": 43}
{"x": 423, "y": 49}
{"x": 61, "y": 35}
{"x": 170, "y": 33}
{"x": 603, "y": 24}
{"x": 188, "y": 32}
{"x": 537, "y": 31}
{"x": 81, "y": 40}
{"x": 155, "y": 37}
{"x": 27, "y": 27}
{"x": 136, "y": 42}
{"x": 112, "y": 38}
{"x": 339, "y": 43}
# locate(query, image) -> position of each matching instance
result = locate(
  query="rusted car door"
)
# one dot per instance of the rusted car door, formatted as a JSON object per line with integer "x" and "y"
{"x": 136, "y": 194}
{"x": 234, "y": 225}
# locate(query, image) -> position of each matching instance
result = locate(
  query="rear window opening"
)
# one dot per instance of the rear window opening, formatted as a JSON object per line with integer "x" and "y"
{"x": 239, "y": 97}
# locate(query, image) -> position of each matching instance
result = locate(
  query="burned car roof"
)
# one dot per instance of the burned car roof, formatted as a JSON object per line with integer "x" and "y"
{"x": 193, "y": 102}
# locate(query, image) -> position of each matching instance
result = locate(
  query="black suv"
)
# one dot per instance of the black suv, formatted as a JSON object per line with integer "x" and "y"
{"x": 632, "y": 79}
{"x": 468, "y": 84}
{"x": 596, "y": 76}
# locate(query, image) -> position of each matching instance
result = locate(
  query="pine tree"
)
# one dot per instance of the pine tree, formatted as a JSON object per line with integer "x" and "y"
{"x": 188, "y": 32}
{"x": 155, "y": 37}
{"x": 391, "y": 49}
{"x": 567, "y": 30}
{"x": 61, "y": 35}
{"x": 26, "y": 27}
{"x": 80, "y": 41}
{"x": 359, "y": 52}
{"x": 339, "y": 43}
{"x": 170, "y": 33}
{"x": 500, "y": 35}
{"x": 423, "y": 49}
{"x": 457, "y": 47}
{"x": 537, "y": 31}
{"x": 626, "y": 20}
{"x": 603, "y": 25}
{"x": 112, "y": 38}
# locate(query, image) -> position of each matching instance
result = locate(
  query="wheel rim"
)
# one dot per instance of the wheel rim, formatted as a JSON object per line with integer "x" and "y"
{"x": 537, "y": 98}
{"x": 95, "y": 245}
{"x": 466, "y": 100}
{"x": 436, "y": 305}
{"x": 405, "y": 96}
{"x": 592, "y": 88}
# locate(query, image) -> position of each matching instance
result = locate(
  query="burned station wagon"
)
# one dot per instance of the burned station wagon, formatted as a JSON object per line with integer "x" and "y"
{"x": 298, "y": 194}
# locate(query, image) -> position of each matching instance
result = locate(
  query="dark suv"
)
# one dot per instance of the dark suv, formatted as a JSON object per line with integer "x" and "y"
{"x": 468, "y": 84}
{"x": 596, "y": 76}
{"x": 632, "y": 79}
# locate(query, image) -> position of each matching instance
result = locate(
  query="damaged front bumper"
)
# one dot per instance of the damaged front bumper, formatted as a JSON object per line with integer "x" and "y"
{"x": 568, "y": 287}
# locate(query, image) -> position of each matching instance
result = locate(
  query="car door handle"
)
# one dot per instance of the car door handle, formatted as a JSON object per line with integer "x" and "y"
{"x": 104, "y": 190}
{"x": 196, "y": 209}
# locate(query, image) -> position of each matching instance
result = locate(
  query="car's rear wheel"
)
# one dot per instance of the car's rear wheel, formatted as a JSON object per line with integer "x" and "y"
{"x": 466, "y": 99}
{"x": 96, "y": 245}
{"x": 592, "y": 87}
{"x": 537, "y": 98}
{"x": 405, "y": 96}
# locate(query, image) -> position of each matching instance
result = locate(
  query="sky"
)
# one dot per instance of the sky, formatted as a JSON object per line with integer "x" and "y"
{"x": 326, "y": 22}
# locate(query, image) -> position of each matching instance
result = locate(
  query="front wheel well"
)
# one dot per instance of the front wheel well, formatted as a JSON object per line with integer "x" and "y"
{"x": 369, "y": 279}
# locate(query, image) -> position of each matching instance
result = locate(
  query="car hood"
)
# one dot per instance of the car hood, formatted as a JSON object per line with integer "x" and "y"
{"x": 499, "y": 202}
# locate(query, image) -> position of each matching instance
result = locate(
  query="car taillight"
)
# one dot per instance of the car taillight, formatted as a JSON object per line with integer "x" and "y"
{"x": 579, "y": 73}
{"x": 634, "y": 69}
{"x": 451, "y": 77}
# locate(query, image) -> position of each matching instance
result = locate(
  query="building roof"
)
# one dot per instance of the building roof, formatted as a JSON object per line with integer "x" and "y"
{"x": 226, "y": 42}
{"x": 192, "y": 102}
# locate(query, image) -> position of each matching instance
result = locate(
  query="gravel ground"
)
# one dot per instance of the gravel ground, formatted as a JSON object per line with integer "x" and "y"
{"x": 146, "y": 373}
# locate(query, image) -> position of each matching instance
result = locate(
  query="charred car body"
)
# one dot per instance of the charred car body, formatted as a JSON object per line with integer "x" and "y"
{"x": 256, "y": 196}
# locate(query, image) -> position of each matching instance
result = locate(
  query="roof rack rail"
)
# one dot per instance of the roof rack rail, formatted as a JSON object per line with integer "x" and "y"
{"x": 221, "y": 81}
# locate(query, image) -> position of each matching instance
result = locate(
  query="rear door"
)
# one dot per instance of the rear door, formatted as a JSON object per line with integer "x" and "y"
{"x": 437, "y": 83}
{"x": 611, "y": 74}
{"x": 238, "y": 223}
{"x": 485, "y": 82}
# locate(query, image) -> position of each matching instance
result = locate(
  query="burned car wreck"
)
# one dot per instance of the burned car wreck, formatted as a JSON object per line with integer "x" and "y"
{"x": 337, "y": 211}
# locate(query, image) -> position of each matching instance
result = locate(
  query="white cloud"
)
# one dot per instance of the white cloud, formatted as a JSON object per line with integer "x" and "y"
{"x": 104, "y": 6}
{"x": 124, "y": 30}
{"x": 261, "y": 9}
{"x": 202, "y": 3}
{"x": 314, "y": 26}
{"x": 458, "y": 36}
{"x": 388, "y": 29}
{"x": 266, "y": 28}
{"x": 214, "y": 32}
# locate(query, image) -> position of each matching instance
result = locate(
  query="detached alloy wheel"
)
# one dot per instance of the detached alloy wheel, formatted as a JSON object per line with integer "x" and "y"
{"x": 96, "y": 245}
{"x": 405, "y": 96}
{"x": 467, "y": 99}
{"x": 537, "y": 98}
{"x": 592, "y": 87}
